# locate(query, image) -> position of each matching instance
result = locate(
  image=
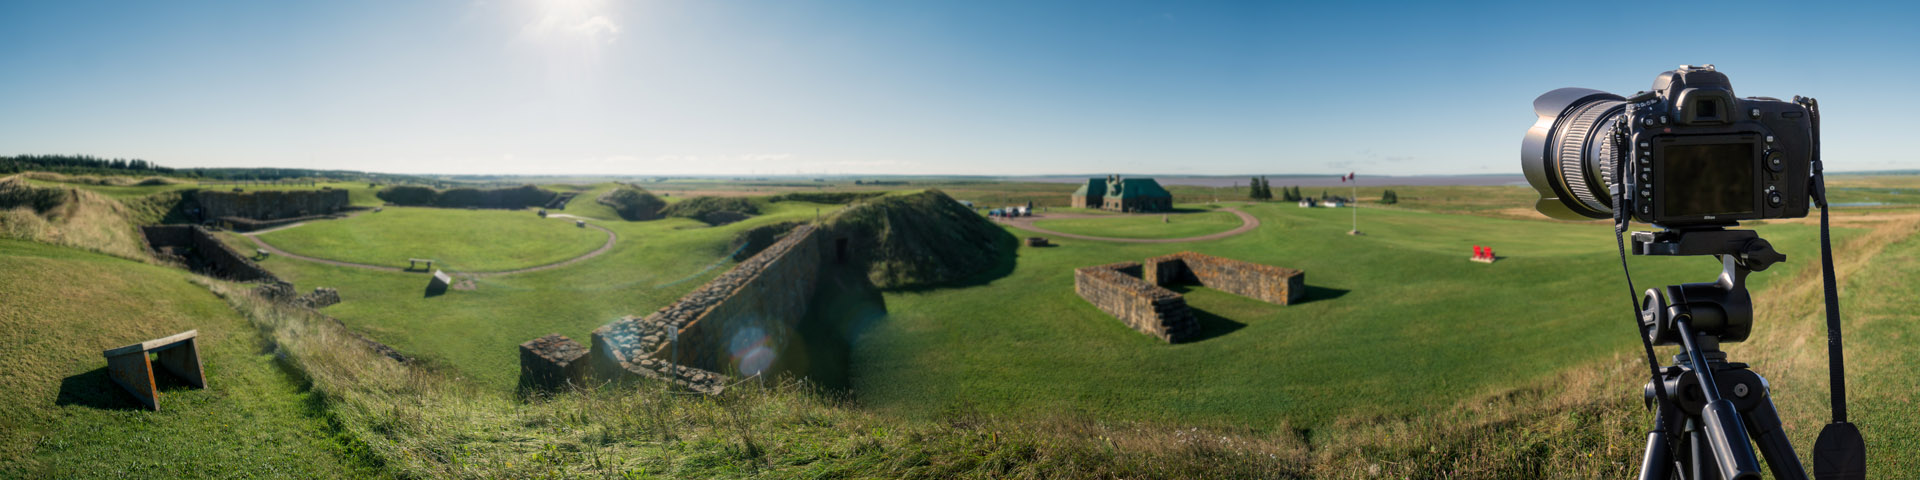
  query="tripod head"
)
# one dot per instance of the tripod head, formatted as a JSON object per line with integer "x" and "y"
{"x": 1721, "y": 309}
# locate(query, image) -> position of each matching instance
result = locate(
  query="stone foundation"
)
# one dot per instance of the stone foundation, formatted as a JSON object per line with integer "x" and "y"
{"x": 1136, "y": 294}
{"x": 552, "y": 362}
{"x": 321, "y": 297}
{"x": 201, "y": 252}
{"x": 1266, "y": 283}
{"x": 1144, "y": 306}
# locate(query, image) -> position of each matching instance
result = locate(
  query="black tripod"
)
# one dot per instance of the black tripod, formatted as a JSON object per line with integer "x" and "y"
{"x": 1708, "y": 407}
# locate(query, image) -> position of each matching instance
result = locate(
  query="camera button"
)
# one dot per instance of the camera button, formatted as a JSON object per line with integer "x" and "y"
{"x": 1774, "y": 199}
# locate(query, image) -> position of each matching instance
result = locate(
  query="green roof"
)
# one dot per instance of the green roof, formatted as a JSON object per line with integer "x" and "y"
{"x": 1097, "y": 185}
{"x": 1139, "y": 187}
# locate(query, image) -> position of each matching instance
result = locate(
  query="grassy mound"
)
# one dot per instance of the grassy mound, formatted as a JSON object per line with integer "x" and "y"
{"x": 922, "y": 239}
{"x": 64, "y": 418}
{"x": 102, "y": 180}
{"x": 69, "y": 216}
{"x": 632, "y": 203}
{"x": 511, "y": 197}
{"x": 713, "y": 210}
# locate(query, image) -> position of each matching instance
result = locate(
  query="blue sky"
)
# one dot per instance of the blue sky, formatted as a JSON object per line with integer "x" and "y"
{"x": 974, "y": 87}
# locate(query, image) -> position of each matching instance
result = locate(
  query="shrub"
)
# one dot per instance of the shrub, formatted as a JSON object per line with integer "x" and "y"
{"x": 512, "y": 197}
{"x": 712, "y": 209}
{"x": 407, "y": 195}
{"x": 633, "y": 203}
{"x": 824, "y": 197}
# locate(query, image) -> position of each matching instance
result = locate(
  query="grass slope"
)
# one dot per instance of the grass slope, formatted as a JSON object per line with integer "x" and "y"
{"x": 1146, "y": 225}
{"x": 1880, "y": 326}
{"x": 461, "y": 240}
{"x": 475, "y": 333}
{"x": 1397, "y": 321}
{"x": 63, "y": 417}
{"x": 69, "y": 215}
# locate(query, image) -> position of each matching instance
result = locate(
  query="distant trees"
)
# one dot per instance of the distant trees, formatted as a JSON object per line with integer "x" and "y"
{"x": 1389, "y": 198}
{"x": 1291, "y": 194}
{"x": 1260, "y": 189}
{"x": 81, "y": 164}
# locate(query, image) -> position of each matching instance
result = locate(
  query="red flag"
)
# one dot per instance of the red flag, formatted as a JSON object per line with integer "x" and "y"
{"x": 1349, "y": 175}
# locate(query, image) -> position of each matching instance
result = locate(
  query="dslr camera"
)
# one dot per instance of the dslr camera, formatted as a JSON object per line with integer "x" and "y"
{"x": 1686, "y": 153}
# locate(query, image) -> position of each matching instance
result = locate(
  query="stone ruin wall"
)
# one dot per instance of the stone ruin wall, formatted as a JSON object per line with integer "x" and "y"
{"x": 202, "y": 252}
{"x": 271, "y": 204}
{"x": 1266, "y": 283}
{"x": 767, "y": 294}
{"x": 1149, "y": 308}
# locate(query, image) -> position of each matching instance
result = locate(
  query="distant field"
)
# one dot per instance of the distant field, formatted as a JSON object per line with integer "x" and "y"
{"x": 457, "y": 239}
{"x": 1146, "y": 225}
{"x": 63, "y": 417}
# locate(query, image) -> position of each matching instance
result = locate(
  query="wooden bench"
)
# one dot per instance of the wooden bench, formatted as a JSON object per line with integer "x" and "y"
{"x": 413, "y": 261}
{"x": 130, "y": 367}
{"x": 261, "y": 252}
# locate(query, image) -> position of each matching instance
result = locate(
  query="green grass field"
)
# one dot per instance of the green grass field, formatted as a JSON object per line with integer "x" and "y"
{"x": 1406, "y": 357}
{"x": 1397, "y": 321}
{"x": 460, "y": 240}
{"x": 476, "y": 332}
{"x": 1181, "y": 225}
{"x": 63, "y": 417}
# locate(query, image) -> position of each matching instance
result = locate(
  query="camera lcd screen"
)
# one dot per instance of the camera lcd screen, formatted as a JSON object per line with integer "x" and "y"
{"x": 1708, "y": 179}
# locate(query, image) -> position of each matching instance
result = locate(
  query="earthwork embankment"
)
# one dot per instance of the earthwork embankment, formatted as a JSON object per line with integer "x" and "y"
{"x": 734, "y": 324}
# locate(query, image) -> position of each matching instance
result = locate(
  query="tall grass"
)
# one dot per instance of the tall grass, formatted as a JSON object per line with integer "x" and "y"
{"x": 102, "y": 180}
{"x": 420, "y": 422}
{"x": 69, "y": 217}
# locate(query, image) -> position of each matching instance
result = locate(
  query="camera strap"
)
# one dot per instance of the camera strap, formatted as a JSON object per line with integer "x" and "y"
{"x": 1839, "y": 453}
{"x": 1621, "y": 217}
{"x": 1836, "y": 364}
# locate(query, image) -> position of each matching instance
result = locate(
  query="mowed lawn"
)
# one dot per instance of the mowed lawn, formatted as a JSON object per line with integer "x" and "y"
{"x": 456, "y": 239}
{"x": 476, "y": 333}
{"x": 62, "y": 417}
{"x": 1396, "y": 321}
{"x": 1176, "y": 225}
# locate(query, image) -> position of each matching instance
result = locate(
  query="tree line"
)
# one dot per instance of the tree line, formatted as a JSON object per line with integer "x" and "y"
{"x": 81, "y": 165}
{"x": 1261, "y": 189}
{"x": 91, "y": 165}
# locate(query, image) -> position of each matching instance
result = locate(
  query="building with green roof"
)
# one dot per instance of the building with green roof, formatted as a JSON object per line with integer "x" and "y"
{"x": 1123, "y": 195}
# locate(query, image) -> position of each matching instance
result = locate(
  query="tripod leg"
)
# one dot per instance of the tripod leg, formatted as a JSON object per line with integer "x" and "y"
{"x": 1657, "y": 462}
{"x": 1763, "y": 424}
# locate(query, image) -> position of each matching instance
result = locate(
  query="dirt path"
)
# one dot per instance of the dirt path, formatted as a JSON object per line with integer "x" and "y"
{"x": 611, "y": 239}
{"x": 1247, "y": 224}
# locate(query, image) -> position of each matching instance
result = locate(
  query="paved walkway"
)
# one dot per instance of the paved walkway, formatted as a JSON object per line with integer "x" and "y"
{"x": 611, "y": 239}
{"x": 1247, "y": 224}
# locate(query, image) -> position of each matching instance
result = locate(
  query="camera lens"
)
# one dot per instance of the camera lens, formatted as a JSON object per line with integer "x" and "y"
{"x": 1568, "y": 155}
